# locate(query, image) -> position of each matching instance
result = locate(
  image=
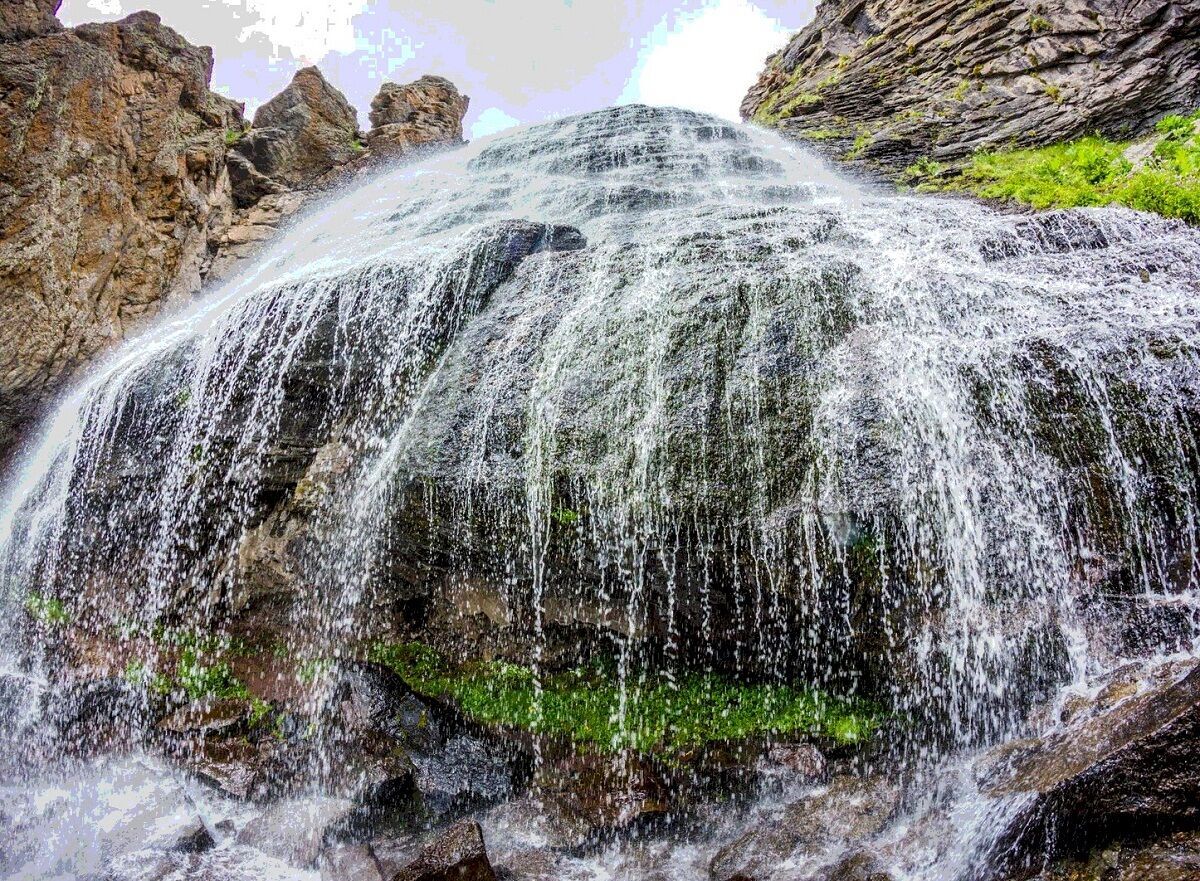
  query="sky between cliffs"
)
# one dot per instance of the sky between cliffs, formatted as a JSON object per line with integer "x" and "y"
{"x": 519, "y": 60}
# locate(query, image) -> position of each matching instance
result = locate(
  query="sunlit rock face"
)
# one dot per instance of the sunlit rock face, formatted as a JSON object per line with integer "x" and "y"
{"x": 112, "y": 188}
{"x": 892, "y": 83}
{"x": 645, "y": 383}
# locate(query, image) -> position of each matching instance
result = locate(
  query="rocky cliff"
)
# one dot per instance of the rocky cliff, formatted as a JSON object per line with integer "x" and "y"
{"x": 112, "y": 185}
{"x": 895, "y": 82}
{"x": 125, "y": 180}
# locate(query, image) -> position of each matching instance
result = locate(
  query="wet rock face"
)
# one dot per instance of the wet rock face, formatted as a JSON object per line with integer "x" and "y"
{"x": 849, "y": 809}
{"x": 428, "y": 112}
{"x": 112, "y": 187}
{"x": 458, "y": 854}
{"x": 1118, "y": 772}
{"x": 901, "y": 81}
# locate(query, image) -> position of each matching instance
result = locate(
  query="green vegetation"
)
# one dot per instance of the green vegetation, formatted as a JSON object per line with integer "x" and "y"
{"x": 584, "y": 705}
{"x": 565, "y": 517}
{"x": 357, "y": 145}
{"x": 860, "y": 144}
{"x": 1090, "y": 171}
{"x": 1039, "y": 25}
{"x": 47, "y": 610}
{"x": 233, "y": 135}
{"x": 194, "y": 676}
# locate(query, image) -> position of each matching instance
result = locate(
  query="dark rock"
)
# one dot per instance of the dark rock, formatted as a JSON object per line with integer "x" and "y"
{"x": 22, "y": 19}
{"x": 802, "y": 759}
{"x": 457, "y": 854}
{"x": 240, "y": 768}
{"x": 917, "y": 79}
{"x": 94, "y": 717}
{"x": 590, "y": 797}
{"x": 1107, "y": 776}
{"x": 220, "y": 718}
{"x": 296, "y": 830}
{"x": 849, "y": 810}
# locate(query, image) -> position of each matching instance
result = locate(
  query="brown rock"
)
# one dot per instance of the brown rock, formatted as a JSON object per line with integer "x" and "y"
{"x": 892, "y": 82}
{"x": 22, "y": 19}
{"x": 112, "y": 187}
{"x": 425, "y": 113}
{"x": 458, "y": 854}
{"x": 298, "y": 135}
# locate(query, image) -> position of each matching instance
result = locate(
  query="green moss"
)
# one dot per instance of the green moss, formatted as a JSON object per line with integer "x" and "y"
{"x": 565, "y": 517}
{"x": 356, "y": 145}
{"x": 47, "y": 610}
{"x": 584, "y": 705}
{"x": 233, "y": 135}
{"x": 860, "y": 145}
{"x": 1092, "y": 171}
{"x": 1039, "y": 25}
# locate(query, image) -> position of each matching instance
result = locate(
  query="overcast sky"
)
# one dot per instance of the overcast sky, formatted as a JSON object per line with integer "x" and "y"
{"x": 519, "y": 60}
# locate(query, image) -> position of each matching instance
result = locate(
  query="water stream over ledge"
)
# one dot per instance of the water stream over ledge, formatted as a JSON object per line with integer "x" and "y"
{"x": 636, "y": 430}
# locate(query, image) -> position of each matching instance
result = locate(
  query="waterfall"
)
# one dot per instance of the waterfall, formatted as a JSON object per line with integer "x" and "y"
{"x": 650, "y": 382}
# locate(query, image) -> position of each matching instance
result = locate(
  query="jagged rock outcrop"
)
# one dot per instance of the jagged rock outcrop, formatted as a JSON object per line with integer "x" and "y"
{"x": 125, "y": 181}
{"x": 112, "y": 188}
{"x": 298, "y": 135}
{"x": 22, "y": 19}
{"x": 305, "y": 141}
{"x": 427, "y": 112}
{"x": 892, "y": 83}
{"x": 1123, "y": 765}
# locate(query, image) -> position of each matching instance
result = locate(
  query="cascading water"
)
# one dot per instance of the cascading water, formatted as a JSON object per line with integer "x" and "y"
{"x": 642, "y": 384}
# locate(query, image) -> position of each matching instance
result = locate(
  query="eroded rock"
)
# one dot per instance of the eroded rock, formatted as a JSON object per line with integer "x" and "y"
{"x": 458, "y": 854}
{"x": 892, "y": 82}
{"x": 112, "y": 189}
{"x": 422, "y": 114}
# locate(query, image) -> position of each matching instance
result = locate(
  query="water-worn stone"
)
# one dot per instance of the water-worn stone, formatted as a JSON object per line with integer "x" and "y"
{"x": 457, "y": 854}
{"x": 1105, "y": 777}
{"x": 849, "y": 809}
{"x": 112, "y": 188}
{"x": 892, "y": 82}
{"x": 296, "y": 830}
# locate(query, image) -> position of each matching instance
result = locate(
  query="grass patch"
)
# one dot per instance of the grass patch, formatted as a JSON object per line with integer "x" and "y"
{"x": 584, "y": 705}
{"x": 1092, "y": 171}
{"x": 233, "y": 135}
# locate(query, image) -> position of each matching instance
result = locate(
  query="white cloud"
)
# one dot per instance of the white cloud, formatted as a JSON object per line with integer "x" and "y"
{"x": 308, "y": 29}
{"x": 491, "y": 121}
{"x": 706, "y": 59}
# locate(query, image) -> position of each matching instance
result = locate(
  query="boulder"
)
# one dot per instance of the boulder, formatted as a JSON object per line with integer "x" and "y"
{"x": 457, "y": 854}
{"x": 297, "y": 136}
{"x": 848, "y": 810}
{"x": 1108, "y": 776}
{"x": 112, "y": 189}
{"x": 893, "y": 82}
{"x": 296, "y": 830}
{"x": 421, "y": 114}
